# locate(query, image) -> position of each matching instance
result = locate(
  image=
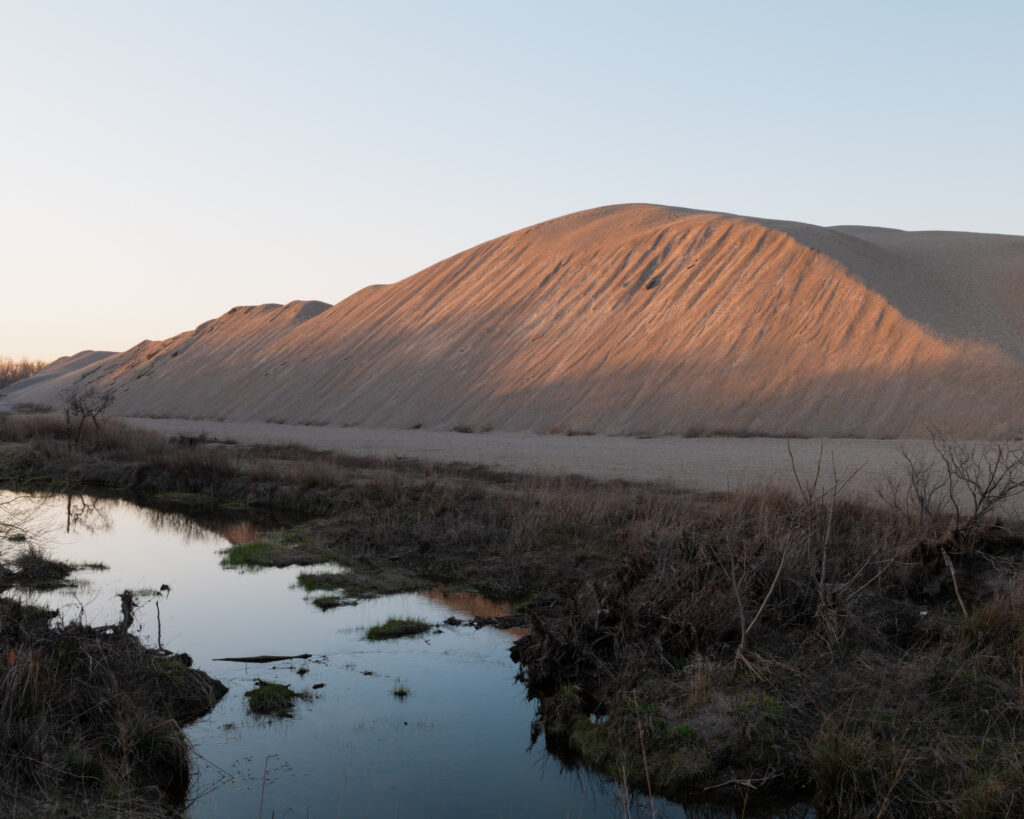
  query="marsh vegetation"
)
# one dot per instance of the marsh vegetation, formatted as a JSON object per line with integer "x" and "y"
{"x": 864, "y": 652}
{"x": 270, "y": 699}
{"x": 396, "y": 627}
{"x": 90, "y": 719}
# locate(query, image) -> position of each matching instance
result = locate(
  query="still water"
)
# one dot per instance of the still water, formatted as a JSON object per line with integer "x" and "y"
{"x": 458, "y": 745}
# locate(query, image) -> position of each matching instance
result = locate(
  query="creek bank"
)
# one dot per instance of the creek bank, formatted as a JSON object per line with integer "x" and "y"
{"x": 867, "y": 658}
{"x": 828, "y": 652}
{"x": 90, "y": 719}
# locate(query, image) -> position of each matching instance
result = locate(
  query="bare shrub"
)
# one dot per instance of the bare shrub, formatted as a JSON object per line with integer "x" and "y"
{"x": 959, "y": 491}
{"x": 85, "y": 404}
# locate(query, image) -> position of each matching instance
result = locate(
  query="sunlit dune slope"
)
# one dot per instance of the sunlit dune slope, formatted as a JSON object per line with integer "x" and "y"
{"x": 633, "y": 319}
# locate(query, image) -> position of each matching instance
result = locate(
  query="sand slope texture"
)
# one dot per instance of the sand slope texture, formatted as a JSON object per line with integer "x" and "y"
{"x": 630, "y": 319}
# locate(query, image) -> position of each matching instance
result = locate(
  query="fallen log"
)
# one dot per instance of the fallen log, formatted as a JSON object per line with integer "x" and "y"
{"x": 262, "y": 658}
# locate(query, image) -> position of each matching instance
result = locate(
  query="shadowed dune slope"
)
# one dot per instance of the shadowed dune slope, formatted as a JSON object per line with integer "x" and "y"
{"x": 632, "y": 319}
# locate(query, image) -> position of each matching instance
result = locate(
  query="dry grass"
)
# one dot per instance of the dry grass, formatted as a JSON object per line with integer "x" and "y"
{"x": 90, "y": 719}
{"x": 800, "y": 644}
{"x": 788, "y": 641}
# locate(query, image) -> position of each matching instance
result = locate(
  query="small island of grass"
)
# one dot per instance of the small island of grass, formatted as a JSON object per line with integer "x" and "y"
{"x": 395, "y": 627}
{"x": 273, "y": 699}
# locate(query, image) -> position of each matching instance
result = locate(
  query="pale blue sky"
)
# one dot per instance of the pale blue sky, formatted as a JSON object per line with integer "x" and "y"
{"x": 163, "y": 162}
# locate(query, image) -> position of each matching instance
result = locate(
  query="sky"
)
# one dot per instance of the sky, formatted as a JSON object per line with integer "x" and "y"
{"x": 161, "y": 163}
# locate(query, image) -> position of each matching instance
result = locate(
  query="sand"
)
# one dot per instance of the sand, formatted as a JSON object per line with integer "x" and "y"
{"x": 711, "y": 464}
{"x": 627, "y": 320}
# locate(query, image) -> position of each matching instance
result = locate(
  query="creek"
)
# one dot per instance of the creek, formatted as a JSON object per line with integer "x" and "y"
{"x": 459, "y": 744}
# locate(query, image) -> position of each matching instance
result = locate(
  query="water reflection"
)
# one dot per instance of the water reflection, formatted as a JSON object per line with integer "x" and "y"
{"x": 467, "y": 603}
{"x": 84, "y": 513}
{"x": 173, "y": 523}
{"x": 458, "y": 745}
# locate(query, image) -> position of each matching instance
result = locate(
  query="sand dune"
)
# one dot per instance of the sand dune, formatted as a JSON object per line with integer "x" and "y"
{"x": 631, "y": 319}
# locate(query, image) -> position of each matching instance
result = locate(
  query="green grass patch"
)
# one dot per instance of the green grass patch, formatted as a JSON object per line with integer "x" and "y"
{"x": 274, "y": 699}
{"x": 322, "y": 581}
{"x": 260, "y": 553}
{"x": 326, "y": 602}
{"x": 361, "y": 585}
{"x": 395, "y": 627}
{"x": 400, "y": 690}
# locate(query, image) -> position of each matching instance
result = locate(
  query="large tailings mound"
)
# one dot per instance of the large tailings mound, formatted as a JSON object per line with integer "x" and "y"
{"x": 632, "y": 319}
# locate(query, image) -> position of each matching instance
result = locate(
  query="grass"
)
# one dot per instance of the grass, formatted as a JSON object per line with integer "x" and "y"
{"x": 321, "y": 581}
{"x": 90, "y": 719}
{"x": 31, "y": 568}
{"x": 394, "y": 627}
{"x": 765, "y": 637}
{"x": 400, "y": 690}
{"x": 358, "y": 584}
{"x": 326, "y": 602}
{"x": 270, "y": 699}
{"x": 263, "y": 553}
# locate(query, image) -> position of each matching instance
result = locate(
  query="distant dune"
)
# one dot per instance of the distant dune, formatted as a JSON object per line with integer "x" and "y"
{"x": 630, "y": 319}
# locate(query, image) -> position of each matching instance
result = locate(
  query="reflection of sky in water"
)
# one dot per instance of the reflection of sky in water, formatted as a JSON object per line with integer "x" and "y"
{"x": 457, "y": 746}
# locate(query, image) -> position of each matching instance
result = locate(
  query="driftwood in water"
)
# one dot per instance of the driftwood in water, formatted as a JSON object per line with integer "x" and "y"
{"x": 262, "y": 658}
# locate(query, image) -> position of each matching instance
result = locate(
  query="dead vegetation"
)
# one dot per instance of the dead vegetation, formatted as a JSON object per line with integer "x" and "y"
{"x": 90, "y": 720}
{"x": 869, "y": 656}
{"x": 11, "y": 370}
{"x": 873, "y": 657}
{"x": 83, "y": 404}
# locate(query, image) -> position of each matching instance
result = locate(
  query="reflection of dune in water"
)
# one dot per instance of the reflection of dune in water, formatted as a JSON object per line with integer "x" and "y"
{"x": 471, "y": 604}
{"x": 238, "y": 531}
{"x": 234, "y": 531}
